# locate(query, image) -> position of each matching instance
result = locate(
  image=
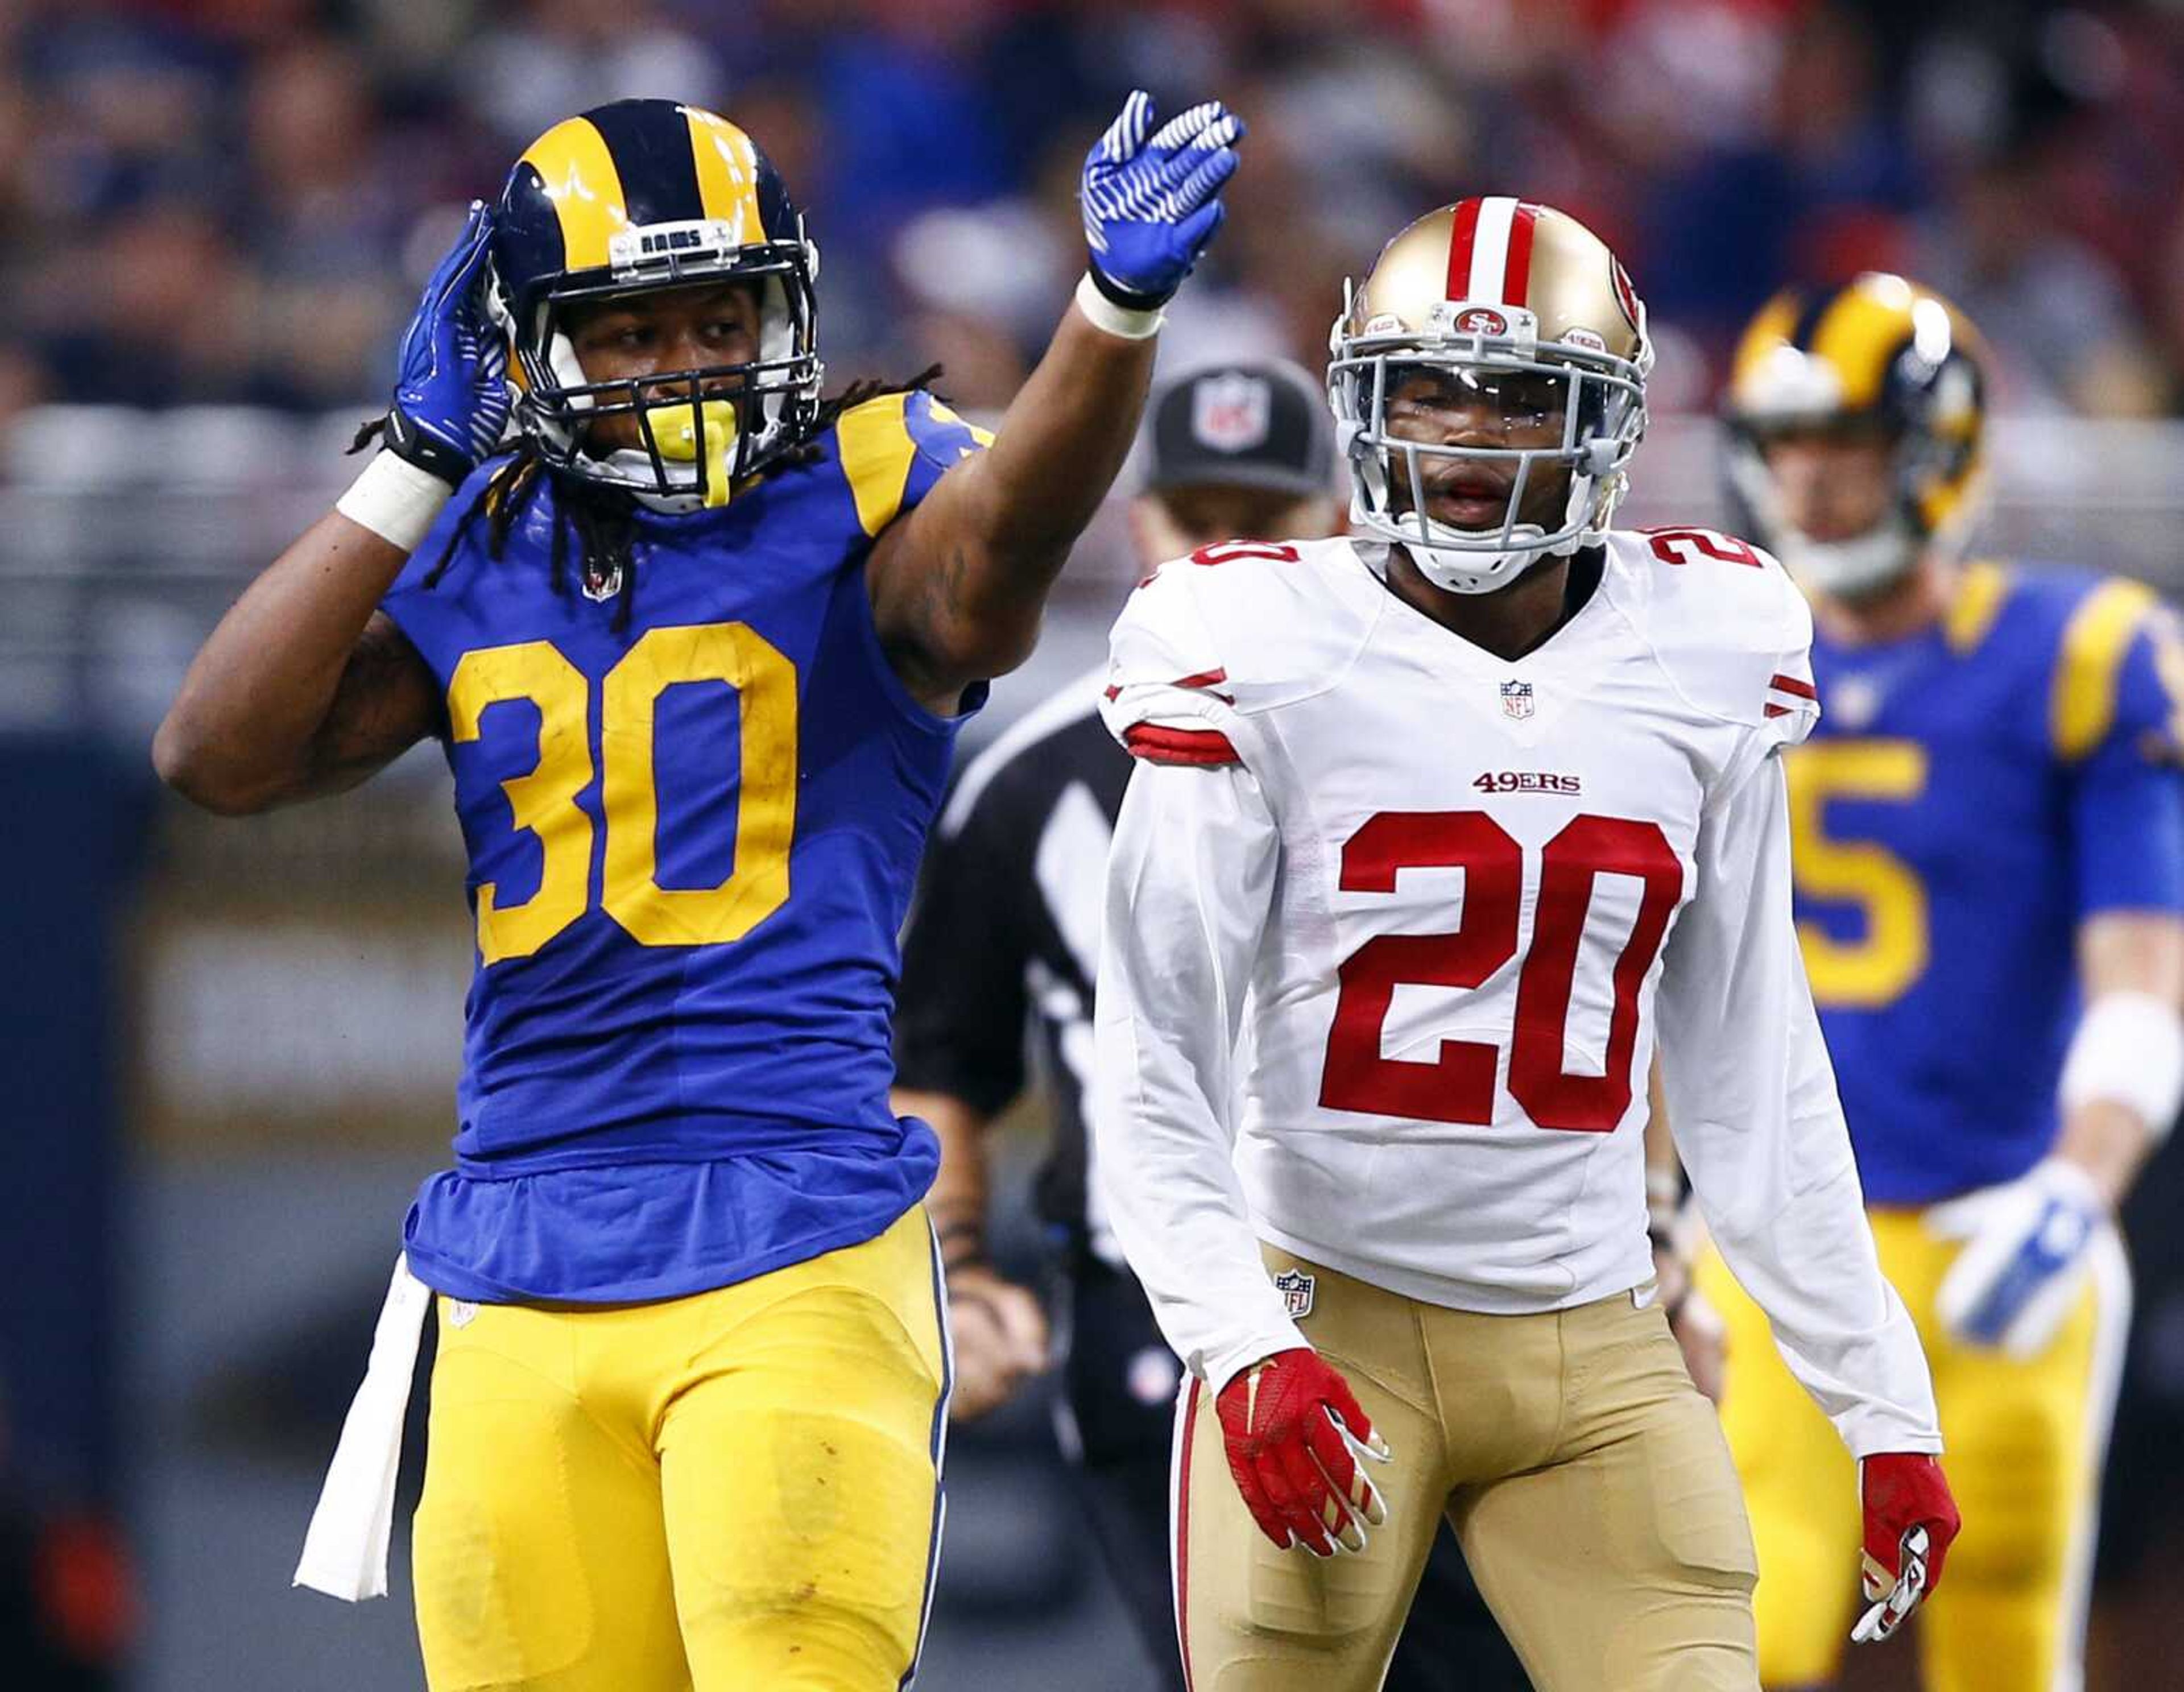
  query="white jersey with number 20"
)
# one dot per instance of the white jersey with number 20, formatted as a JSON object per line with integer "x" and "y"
{"x": 1392, "y": 924}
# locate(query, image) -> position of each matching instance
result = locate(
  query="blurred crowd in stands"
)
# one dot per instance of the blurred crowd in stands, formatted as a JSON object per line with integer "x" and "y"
{"x": 235, "y": 200}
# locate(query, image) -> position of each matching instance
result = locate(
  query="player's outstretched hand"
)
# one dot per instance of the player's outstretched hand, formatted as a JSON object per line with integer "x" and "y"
{"x": 1294, "y": 1434}
{"x": 1910, "y": 1520}
{"x": 1000, "y": 1334}
{"x": 2025, "y": 1256}
{"x": 451, "y": 398}
{"x": 1152, "y": 198}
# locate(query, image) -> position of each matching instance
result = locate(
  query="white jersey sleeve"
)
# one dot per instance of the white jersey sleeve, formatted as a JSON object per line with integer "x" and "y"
{"x": 1752, "y": 1095}
{"x": 1190, "y": 881}
{"x": 1169, "y": 699}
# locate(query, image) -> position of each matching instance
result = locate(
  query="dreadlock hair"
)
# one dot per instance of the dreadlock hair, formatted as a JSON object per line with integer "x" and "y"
{"x": 603, "y": 520}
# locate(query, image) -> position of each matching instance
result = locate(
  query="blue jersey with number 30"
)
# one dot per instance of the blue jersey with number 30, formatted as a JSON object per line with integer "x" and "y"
{"x": 692, "y": 842}
{"x": 1973, "y": 793}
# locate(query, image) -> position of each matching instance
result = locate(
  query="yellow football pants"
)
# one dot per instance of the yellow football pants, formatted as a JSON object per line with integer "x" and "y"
{"x": 2025, "y": 1442}
{"x": 736, "y": 1489}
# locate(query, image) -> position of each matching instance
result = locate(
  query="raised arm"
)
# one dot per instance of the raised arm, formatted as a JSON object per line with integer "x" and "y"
{"x": 959, "y": 583}
{"x": 305, "y": 688}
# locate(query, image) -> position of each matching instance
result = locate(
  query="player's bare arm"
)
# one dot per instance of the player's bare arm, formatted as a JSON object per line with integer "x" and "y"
{"x": 2028, "y": 1242}
{"x": 305, "y": 688}
{"x": 958, "y": 585}
{"x": 2129, "y": 958}
{"x": 998, "y": 1327}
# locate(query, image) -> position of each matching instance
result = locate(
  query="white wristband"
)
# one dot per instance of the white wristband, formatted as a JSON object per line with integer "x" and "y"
{"x": 395, "y": 499}
{"x": 2129, "y": 1050}
{"x": 1117, "y": 319}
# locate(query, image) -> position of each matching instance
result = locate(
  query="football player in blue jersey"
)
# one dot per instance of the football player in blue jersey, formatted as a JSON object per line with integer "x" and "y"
{"x": 1989, "y": 829}
{"x": 697, "y": 649}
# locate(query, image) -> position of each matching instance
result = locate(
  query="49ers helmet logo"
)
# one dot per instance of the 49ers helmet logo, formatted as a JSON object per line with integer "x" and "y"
{"x": 1625, "y": 295}
{"x": 1481, "y": 319}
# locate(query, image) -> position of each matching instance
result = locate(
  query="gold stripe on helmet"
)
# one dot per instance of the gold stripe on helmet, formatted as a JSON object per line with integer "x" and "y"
{"x": 1772, "y": 328}
{"x": 727, "y": 173}
{"x": 1943, "y": 502}
{"x": 579, "y": 177}
{"x": 1859, "y": 333}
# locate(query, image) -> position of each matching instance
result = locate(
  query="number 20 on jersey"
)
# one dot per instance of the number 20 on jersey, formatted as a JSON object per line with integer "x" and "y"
{"x": 1458, "y": 1085}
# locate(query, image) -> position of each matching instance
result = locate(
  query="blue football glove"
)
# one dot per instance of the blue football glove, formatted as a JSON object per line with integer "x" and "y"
{"x": 451, "y": 398}
{"x": 2025, "y": 1256}
{"x": 1151, "y": 200}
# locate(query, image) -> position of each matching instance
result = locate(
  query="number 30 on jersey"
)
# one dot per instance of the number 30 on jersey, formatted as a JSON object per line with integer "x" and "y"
{"x": 544, "y": 802}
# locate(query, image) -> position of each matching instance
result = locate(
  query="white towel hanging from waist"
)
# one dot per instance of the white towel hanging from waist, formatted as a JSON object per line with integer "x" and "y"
{"x": 345, "y": 1548}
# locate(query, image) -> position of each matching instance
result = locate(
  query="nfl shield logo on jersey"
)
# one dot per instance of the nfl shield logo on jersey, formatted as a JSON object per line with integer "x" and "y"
{"x": 1230, "y": 412}
{"x": 1295, "y": 1288}
{"x": 1516, "y": 700}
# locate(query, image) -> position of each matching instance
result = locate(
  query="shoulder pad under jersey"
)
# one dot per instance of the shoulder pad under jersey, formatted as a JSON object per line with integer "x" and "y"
{"x": 1728, "y": 625}
{"x": 1228, "y": 632}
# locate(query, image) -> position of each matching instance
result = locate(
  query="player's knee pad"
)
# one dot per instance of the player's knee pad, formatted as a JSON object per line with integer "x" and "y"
{"x": 814, "y": 1644}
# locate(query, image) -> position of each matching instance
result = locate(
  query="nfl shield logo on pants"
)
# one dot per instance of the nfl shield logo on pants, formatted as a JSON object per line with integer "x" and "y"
{"x": 1295, "y": 1288}
{"x": 1517, "y": 700}
{"x": 1231, "y": 413}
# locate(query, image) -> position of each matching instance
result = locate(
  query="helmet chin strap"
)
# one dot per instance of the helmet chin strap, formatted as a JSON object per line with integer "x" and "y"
{"x": 1476, "y": 572}
{"x": 1472, "y": 569}
{"x": 636, "y": 465}
{"x": 1855, "y": 567}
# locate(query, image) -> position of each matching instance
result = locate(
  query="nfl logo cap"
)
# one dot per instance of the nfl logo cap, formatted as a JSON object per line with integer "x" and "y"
{"x": 1259, "y": 424}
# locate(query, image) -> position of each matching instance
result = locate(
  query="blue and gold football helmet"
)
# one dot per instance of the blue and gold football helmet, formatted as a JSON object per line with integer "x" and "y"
{"x": 1878, "y": 355}
{"x": 633, "y": 197}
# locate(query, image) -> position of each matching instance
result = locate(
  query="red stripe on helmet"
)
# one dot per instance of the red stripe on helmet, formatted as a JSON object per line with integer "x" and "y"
{"x": 1516, "y": 271}
{"x": 1460, "y": 239}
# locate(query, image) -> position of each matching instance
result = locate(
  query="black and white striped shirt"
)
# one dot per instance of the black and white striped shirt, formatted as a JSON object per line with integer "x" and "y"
{"x": 1004, "y": 938}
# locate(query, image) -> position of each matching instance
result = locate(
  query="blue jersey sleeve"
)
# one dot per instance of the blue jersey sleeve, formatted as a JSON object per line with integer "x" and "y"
{"x": 895, "y": 449}
{"x": 2127, "y": 792}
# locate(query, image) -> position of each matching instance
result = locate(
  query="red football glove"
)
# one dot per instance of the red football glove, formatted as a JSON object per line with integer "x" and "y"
{"x": 1295, "y": 1433}
{"x": 1910, "y": 1519}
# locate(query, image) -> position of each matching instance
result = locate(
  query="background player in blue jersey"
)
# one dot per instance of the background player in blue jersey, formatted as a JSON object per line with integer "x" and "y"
{"x": 1989, "y": 829}
{"x": 697, "y": 650}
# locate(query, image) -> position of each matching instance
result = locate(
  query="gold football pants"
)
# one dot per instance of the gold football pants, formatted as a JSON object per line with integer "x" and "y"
{"x": 736, "y": 1489}
{"x": 2023, "y": 1445}
{"x": 1583, "y": 1474}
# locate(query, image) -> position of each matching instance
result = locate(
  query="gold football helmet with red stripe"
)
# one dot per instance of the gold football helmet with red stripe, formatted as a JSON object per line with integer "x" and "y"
{"x": 1485, "y": 290}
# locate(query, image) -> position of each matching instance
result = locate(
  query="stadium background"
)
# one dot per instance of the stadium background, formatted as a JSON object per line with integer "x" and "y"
{"x": 232, "y": 1045}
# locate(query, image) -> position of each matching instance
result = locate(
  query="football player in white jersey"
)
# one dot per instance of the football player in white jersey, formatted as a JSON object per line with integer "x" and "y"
{"x": 1432, "y": 827}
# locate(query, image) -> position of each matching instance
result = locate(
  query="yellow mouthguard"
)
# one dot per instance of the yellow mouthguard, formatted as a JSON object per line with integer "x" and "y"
{"x": 675, "y": 430}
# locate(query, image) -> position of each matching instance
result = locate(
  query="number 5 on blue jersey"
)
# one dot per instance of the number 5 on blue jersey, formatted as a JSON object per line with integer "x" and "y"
{"x": 544, "y": 802}
{"x": 1878, "y": 967}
